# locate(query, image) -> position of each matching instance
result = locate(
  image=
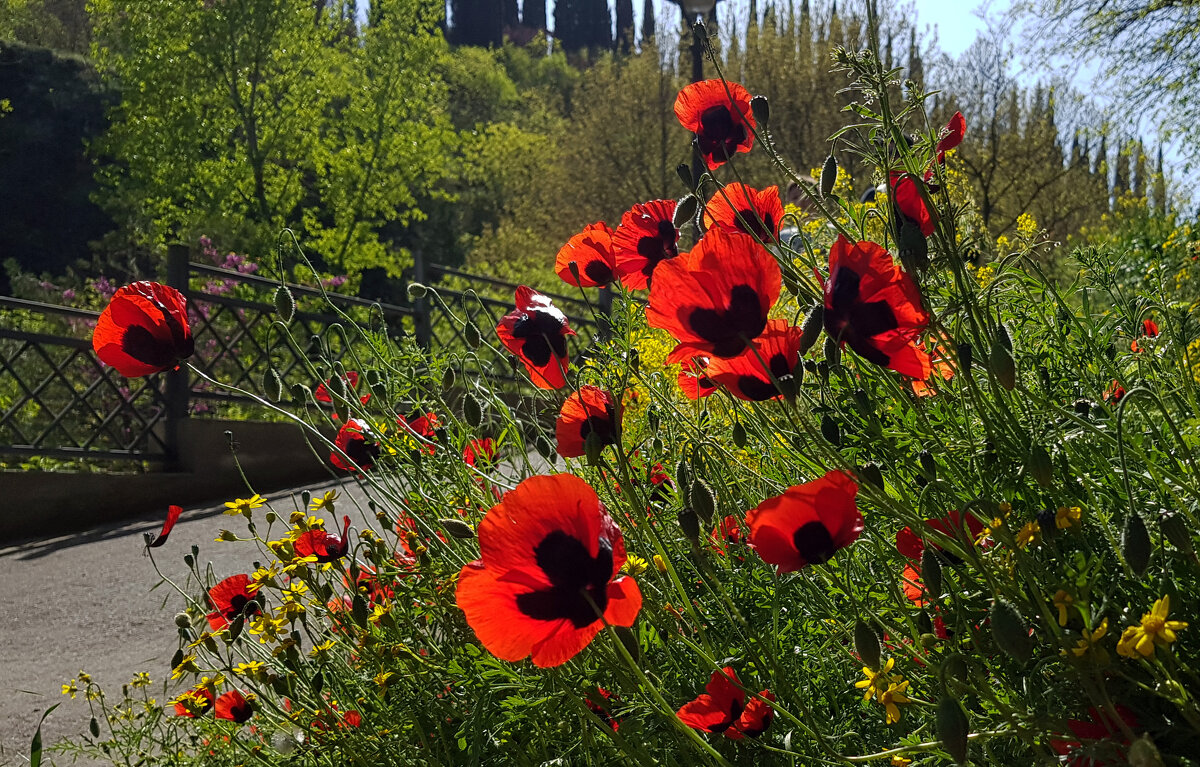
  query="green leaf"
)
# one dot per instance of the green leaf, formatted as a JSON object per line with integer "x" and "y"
{"x": 35, "y": 748}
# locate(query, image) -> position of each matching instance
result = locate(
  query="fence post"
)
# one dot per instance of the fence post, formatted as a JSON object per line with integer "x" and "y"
{"x": 421, "y": 319}
{"x": 177, "y": 384}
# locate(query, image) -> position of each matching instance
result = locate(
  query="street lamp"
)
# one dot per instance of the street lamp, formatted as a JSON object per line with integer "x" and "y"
{"x": 693, "y": 11}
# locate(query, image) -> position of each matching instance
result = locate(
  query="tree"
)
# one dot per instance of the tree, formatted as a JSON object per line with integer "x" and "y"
{"x": 625, "y": 31}
{"x": 264, "y": 114}
{"x": 580, "y": 24}
{"x": 59, "y": 24}
{"x": 648, "y": 21}
{"x": 533, "y": 14}
{"x": 1149, "y": 52}
{"x": 477, "y": 22}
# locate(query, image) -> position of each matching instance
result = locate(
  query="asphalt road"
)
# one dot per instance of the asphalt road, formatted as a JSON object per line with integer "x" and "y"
{"x": 85, "y": 602}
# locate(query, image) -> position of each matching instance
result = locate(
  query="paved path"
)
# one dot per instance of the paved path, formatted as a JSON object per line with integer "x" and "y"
{"x": 85, "y": 602}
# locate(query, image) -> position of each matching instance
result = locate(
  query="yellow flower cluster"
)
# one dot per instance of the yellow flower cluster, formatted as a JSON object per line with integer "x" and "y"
{"x": 889, "y": 689}
{"x": 1154, "y": 630}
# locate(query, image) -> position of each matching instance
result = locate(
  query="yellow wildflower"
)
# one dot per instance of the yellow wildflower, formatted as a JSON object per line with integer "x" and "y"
{"x": 876, "y": 681}
{"x": 1063, "y": 601}
{"x": 378, "y": 612}
{"x": 319, "y": 651}
{"x": 263, "y": 576}
{"x": 1153, "y": 630}
{"x": 268, "y": 629}
{"x": 1091, "y": 642}
{"x": 324, "y": 502}
{"x": 1068, "y": 518}
{"x": 384, "y": 679}
{"x": 1030, "y": 534}
{"x": 891, "y": 698}
{"x": 659, "y": 564}
{"x": 225, "y": 535}
{"x": 71, "y": 688}
{"x": 193, "y": 701}
{"x": 244, "y": 506}
{"x": 900, "y": 761}
{"x": 634, "y": 565}
{"x": 187, "y": 665}
{"x": 140, "y": 679}
{"x": 249, "y": 669}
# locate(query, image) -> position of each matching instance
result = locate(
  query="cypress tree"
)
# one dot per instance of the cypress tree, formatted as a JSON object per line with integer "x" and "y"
{"x": 1121, "y": 174}
{"x": 647, "y": 21}
{"x": 1139, "y": 170}
{"x": 477, "y": 22}
{"x": 1160, "y": 185}
{"x": 511, "y": 17}
{"x": 916, "y": 69}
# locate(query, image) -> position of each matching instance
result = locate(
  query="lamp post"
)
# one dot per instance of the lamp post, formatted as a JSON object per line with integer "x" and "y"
{"x": 693, "y": 11}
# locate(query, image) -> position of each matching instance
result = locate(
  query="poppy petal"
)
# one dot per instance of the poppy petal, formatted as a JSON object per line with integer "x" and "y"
{"x": 173, "y": 513}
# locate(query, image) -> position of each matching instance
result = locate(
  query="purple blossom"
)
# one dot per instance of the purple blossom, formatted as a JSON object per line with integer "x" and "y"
{"x": 105, "y": 288}
{"x": 68, "y": 294}
{"x": 335, "y": 282}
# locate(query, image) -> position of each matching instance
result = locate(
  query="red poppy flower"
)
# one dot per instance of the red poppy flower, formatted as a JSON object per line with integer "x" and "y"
{"x": 1103, "y": 728}
{"x": 808, "y": 523}
{"x": 722, "y": 708}
{"x": 718, "y": 112}
{"x": 592, "y": 253}
{"x": 326, "y": 547}
{"x": 350, "y": 379}
{"x": 143, "y": 330}
{"x": 953, "y": 136}
{"x": 757, "y": 213}
{"x": 907, "y": 196}
{"x": 602, "y": 710}
{"x": 727, "y": 534}
{"x": 549, "y": 558}
{"x": 173, "y": 513}
{"x": 714, "y": 300}
{"x": 912, "y": 544}
{"x": 591, "y": 411}
{"x": 358, "y": 444}
{"x": 646, "y": 237}
{"x": 422, "y": 425}
{"x": 911, "y": 584}
{"x": 751, "y": 375}
{"x": 352, "y": 719}
{"x": 1150, "y": 328}
{"x": 875, "y": 308}
{"x": 1114, "y": 392}
{"x": 234, "y": 707}
{"x": 479, "y": 449}
{"x": 537, "y": 333}
{"x": 942, "y": 366}
{"x": 229, "y": 599}
{"x": 694, "y": 381}
{"x": 198, "y": 701}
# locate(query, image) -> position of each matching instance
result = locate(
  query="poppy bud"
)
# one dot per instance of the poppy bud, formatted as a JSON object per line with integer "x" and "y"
{"x": 699, "y": 33}
{"x": 685, "y": 210}
{"x": 739, "y": 435}
{"x": 965, "y": 354}
{"x": 592, "y": 447}
{"x": 471, "y": 335}
{"x": 828, "y": 176}
{"x": 1135, "y": 544}
{"x": 1009, "y": 631}
{"x": 94, "y": 727}
{"x": 830, "y": 431}
{"x": 1039, "y": 466}
{"x": 1143, "y": 753}
{"x": 543, "y": 447}
{"x": 177, "y": 658}
{"x": 952, "y": 728}
{"x": 914, "y": 248}
{"x": 702, "y": 499}
{"x": 866, "y": 644}
{"x": 924, "y": 624}
{"x": 690, "y": 524}
{"x": 870, "y": 473}
{"x": 235, "y": 628}
{"x": 1001, "y": 363}
{"x": 928, "y": 640}
{"x": 272, "y": 385}
{"x": 953, "y": 670}
{"x": 683, "y": 477}
{"x": 456, "y": 528}
{"x": 685, "y": 175}
{"x": 1046, "y": 520}
{"x": 791, "y": 285}
{"x": 760, "y": 108}
{"x": 285, "y": 303}
{"x": 833, "y": 352}
{"x": 629, "y": 640}
{"x": 1174, "y": 529}
{"x": 358, "y": 609}
{"x": 863, "y": 400}
{"x": 472, "y": 411}
{"x": 931, "y": 572}
{"x": 189, "y": 560}
{"x": 417, "y": 291}
{"x": 811, "y": 328}
{"x": 928, "y": 465}
{"x": 182, "y": 620}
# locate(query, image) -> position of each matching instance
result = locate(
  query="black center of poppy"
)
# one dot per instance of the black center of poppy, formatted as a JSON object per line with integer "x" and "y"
{"x": 601, "y": 425}
{"x": 720, "y": 133}
{"x": 143, "y": 346}
{"x": 735, "y": 710}
{"x": 598, "y": 271}
{"x": 659, "y": 247}
{"x": 814, "y": 543}
{"x": 361, "y": 451}
{"x": 239, "y": 604}
{"x": 758, "y": 388}
{"x": 184, "y": 344}
{"x": 543, "y": 336}
{"x": 731, "y": 330}
{"x": 855, "y": 321}
{"x": 761, "y": 227}
{"x": 575, "y": 577}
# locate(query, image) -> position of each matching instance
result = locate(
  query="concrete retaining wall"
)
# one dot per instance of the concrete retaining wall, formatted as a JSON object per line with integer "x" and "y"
{"x": 274, "y": 456}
